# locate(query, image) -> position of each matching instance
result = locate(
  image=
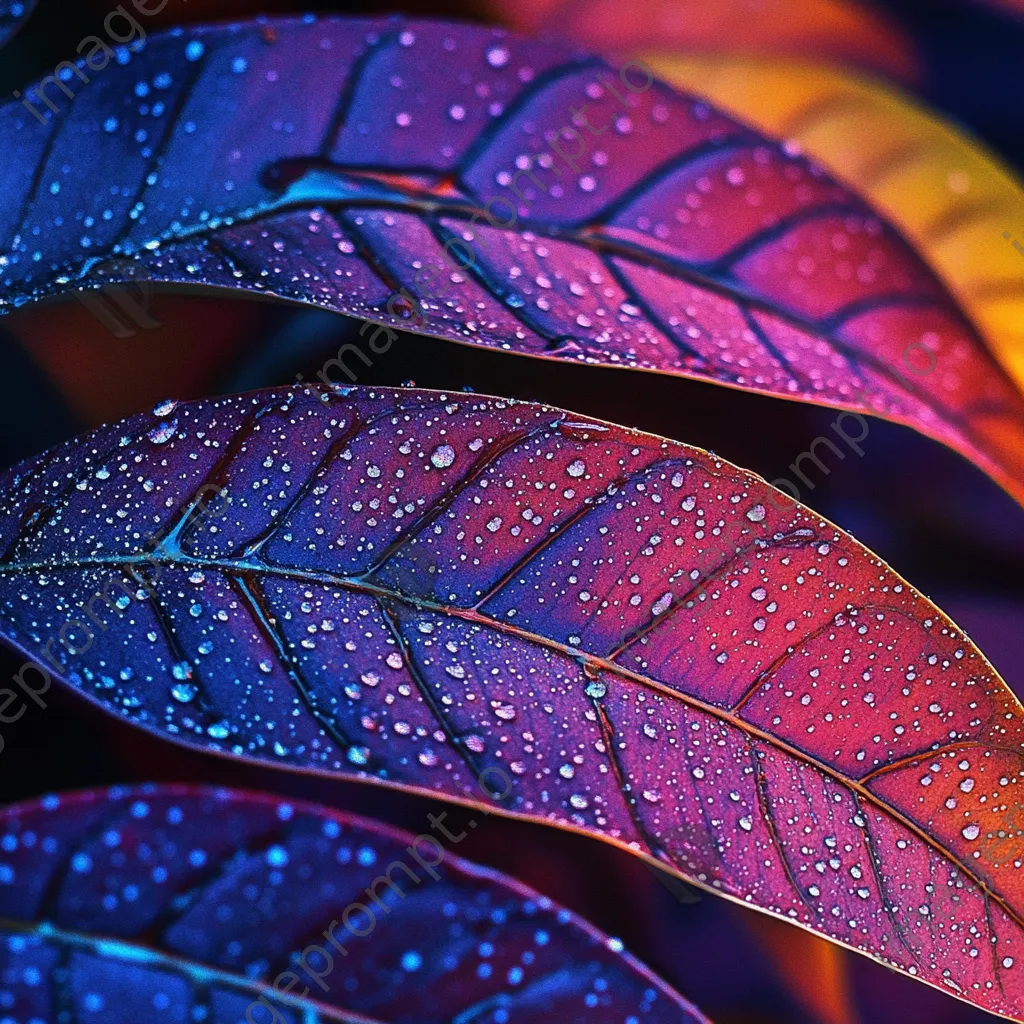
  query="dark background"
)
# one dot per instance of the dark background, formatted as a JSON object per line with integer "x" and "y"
{"x": 931, "y": 515}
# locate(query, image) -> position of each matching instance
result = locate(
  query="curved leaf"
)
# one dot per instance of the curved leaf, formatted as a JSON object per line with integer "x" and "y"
{"x": 618, "y": 634}
{"x": 13, "y": 14}
{"x": 830, "y": 29}
{"x": 685, "y": 243}
{"x": 200, "y": 903}
{"x": 950, "y": 195}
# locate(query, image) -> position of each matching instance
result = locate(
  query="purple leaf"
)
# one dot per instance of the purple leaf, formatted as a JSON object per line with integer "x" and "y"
{"x": 605, "y": 630}
{"x": 222, "y": 907}
{"x": 373, "y": 168}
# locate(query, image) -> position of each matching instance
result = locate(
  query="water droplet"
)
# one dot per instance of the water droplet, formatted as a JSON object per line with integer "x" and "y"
{"x": 184, "y": 692}
{"x": 498, "y": 56}
{"x": 442, "y": 456}
{"x": 163, "y": 432}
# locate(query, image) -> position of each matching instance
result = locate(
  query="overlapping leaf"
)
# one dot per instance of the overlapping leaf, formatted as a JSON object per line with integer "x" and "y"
{"x": 13, "y": 14}
{"x": 677, "y": 240}
{"x": 615, "y": 633}
{"x": 223, "y": 907}
{"x": 958, "y": 204}
{"x": 830, "y": 29}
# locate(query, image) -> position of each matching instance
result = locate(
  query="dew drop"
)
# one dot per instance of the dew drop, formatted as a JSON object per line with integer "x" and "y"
{"x": 442, "y": 456}
{"x": 163, "y": 432}
{"x": 184, "y": 692}
{"x": 498, "y": 56}
{"x": 165, "y": 408}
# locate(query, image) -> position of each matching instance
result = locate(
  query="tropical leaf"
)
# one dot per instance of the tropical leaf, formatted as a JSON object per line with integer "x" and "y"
{"x": 950, "y": 195}
{"x": 611, "y": 632}
{"x": 815, "y": 972}
{"x": 829, "y": 29}
{"x": 222, "y": 907}
{"x": 13, "y": 14}
{"x": 679, "y": 241}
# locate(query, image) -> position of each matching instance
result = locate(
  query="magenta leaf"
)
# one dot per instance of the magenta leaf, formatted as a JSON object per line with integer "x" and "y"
{"x": 461, "y": 182}
{"x": 605, "y": 630}
{"x": 225, "y": 907}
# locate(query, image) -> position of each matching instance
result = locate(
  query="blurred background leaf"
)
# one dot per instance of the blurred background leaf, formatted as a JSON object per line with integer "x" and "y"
{"x": 838, "y": 30}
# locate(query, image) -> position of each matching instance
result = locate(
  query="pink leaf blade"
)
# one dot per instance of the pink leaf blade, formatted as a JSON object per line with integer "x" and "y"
{"x": 622, "y": 635}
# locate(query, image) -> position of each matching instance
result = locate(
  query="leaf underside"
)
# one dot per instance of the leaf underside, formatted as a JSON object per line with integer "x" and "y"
{"x": 680, "y": 241}
{"x": 194, "y": 901}
{"x": 410, "y": 588}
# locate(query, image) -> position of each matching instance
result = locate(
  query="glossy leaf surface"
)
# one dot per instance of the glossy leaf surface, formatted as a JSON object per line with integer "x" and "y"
{"x": 679, "y": 241}
{"x": 951, "y": 196}
{"x": 619, "y": 634}
{"x": 829, "y": 29}
{"x": 13, "y": 14}
{"x": 194, "y": 904}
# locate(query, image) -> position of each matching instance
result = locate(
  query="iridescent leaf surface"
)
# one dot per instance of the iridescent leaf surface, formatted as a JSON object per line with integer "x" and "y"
{"x": 13, "y": 14}
{"x": 181, "y": 904}
{"x": 953, "y": 198}
{"x": 615, "y": 633}
{"x": 363, "y": 166}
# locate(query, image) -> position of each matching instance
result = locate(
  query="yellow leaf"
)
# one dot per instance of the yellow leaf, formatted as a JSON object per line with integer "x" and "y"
{"x": 962, "y": 209}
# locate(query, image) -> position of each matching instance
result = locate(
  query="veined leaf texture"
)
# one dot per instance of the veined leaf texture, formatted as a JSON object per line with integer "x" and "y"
{"x": 476, "y": 186}
{"x": 223, "y": 907}
{"x": 954, "y": 199}
{"x": 610, "y": 632}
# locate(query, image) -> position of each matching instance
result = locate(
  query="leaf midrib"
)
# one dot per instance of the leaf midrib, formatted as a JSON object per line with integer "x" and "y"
{"x": 236, "y": 569}
{"x": 105, "y": 945}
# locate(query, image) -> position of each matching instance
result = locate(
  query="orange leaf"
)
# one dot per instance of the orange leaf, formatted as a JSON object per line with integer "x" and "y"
{"x": 835, "y": 29}
{"x": 952, "y": 198}
{"x": 814, "y": 971}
